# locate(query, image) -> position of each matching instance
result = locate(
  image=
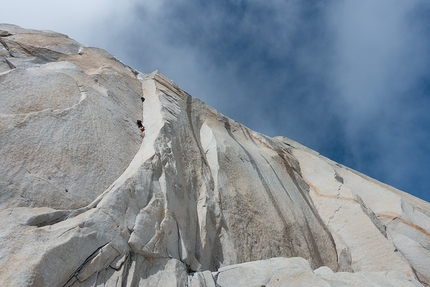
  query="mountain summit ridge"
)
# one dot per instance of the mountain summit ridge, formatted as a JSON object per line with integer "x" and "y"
{"x": 197, "y": 199}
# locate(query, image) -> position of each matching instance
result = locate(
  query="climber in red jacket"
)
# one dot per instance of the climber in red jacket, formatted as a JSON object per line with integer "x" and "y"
{"x": 140, "y": 126}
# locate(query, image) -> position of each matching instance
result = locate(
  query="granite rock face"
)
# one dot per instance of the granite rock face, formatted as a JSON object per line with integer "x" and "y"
{"x": 197, "y": 199}
{"x": 62, "y": 106}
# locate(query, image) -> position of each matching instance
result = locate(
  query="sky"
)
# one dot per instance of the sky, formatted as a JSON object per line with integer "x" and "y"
{"x": 349, "y": 79}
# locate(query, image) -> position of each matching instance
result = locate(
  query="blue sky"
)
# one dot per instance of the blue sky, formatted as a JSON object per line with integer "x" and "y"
{"x": 349, "y": 79}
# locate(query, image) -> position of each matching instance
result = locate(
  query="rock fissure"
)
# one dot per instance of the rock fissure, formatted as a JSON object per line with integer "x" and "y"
{"x": 90, "y": 257}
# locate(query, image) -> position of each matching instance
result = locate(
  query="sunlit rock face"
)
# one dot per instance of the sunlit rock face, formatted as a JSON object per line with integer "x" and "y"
{"x": 86, "y": 199}
{"x": 67, "y": 115}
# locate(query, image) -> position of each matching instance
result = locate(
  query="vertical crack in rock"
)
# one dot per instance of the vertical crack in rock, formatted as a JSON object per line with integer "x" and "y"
{"x": 127, "y": 266}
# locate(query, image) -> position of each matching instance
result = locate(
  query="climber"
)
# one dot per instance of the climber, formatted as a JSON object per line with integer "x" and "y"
{"x": 140, "y": 126}
{"x": 143, "y": 99}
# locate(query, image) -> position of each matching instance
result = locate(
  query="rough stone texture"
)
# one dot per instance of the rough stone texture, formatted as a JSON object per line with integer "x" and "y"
{"x": 67, "y": 115}
{"x": 396, "y": 224}
{"x": 297, "y": 272}
{"x": 86, "y": 200}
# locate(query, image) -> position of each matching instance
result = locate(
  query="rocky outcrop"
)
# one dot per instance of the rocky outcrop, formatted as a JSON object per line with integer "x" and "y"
{"x": 294, "y": 272}
{"x": 67, "y": 115}
{"x": 196, "y": 200}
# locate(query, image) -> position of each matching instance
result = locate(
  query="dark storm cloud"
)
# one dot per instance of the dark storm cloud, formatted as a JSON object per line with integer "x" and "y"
{"x": 349, "y": 79}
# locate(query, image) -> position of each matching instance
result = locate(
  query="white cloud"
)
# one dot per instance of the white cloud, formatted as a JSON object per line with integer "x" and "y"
{"x": 378, "y": 55}
{"x": 381, "y": 56}
{"x": 76, "y": 18}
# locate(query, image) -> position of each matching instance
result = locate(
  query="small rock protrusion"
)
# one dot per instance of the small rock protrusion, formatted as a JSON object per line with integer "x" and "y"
{"x": 4, "y": 33}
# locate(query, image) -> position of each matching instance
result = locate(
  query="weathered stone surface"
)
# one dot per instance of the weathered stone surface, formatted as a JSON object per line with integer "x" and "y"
{"x": 297, "y": 272}
{"x": 66, "y": 132}
{"x": 396, "y": 224}
{"x": 181, "y": 203}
